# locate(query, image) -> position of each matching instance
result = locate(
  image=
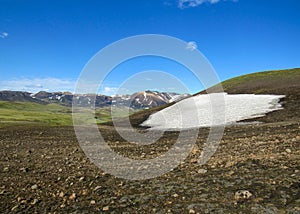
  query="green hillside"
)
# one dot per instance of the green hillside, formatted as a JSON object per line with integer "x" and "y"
{"x": 34, "y": 113}
{"x": 29, "y": 113}
{"x": 276, "y": 82}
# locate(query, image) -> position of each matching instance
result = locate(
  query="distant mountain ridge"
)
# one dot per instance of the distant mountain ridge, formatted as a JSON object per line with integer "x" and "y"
{"x": 139, "y": 100}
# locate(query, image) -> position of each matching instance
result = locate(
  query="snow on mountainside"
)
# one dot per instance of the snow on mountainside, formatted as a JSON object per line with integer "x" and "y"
{"x": 149, "y": 99}
{"x": 139, "y": 100}
{"x": 196, "y": 111}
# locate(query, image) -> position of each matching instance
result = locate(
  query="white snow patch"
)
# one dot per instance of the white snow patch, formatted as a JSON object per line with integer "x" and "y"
{"x": 197, "y": 111}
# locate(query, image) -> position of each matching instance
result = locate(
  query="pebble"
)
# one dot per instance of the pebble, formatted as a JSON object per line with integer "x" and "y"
{"x": 288, "y": 150}
{"x": 35, "y": 201}
{"x": 96, "y": 188}
{"x": 106, "y": 208}
{"x": 175, "y": 195}
{"x": 24, "y": 169}
{"x": 61, "y": 194}
{"x": 242, "y": 195}
{"x": 81, "y": 179}
{"x": 34, "y": 187}
{"x": 194, "y": 160}
{"x": 14, "y": 208}
{"x": 92, "y": 202}
{"x": 202, "y": 171}
{"x": 191, "y": 211}
{"x": 73, "y": 196}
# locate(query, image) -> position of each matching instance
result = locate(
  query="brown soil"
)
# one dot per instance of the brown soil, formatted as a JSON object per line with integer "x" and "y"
{"x": 44, "y": 170}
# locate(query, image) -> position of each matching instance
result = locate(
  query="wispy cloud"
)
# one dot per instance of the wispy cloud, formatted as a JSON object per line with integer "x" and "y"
{"x": 3, "y": 35}
{"x": 194, "y": 3}
{"x": 191, "y": 46}
{"x": 109, "y": 90}
{"x": 38, "y": 84}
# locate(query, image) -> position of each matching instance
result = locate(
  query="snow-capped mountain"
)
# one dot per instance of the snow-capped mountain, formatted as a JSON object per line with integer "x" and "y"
{"x": 147, "y": 99}
{"x": 139, "y": 100}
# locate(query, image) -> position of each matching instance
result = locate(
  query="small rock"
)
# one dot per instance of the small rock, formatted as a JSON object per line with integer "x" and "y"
{"x": 175, "y": 195}
{"x": 73, "y": 196}
{"x": 191, "y": 211}
{"x": 35, "y": 201}
{"x": 84, "y": 192}
{"x": 97, "y": 187}
{"x": 5, "y": 169}
{"x": 14, "y": 208}
{"x": 81, "y": 179}
{"x": 194, "y": 160}
{"x": 288, "y": 150}
{"x": 202, "y": 171}
{"x": 60, "y": 170}
{"x": 92, "y": 202}
{"x": 61, "y": 194}
{"x": 34, "y": 187}
{"x": 106, "y": 208}
{"x": 24, "y": 169}
{"x": 242, "y": 195}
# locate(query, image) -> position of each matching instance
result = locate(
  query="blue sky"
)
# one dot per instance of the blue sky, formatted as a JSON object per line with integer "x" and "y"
{"x": 45, "y": 44}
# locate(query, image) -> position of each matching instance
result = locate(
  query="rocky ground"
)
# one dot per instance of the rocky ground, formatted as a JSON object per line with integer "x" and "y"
{"x": 256, "y": 169}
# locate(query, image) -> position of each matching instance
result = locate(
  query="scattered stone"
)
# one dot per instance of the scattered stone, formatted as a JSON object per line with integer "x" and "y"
{"x": 229, "y": 164}
{"x": 288, "y": 150}
{"x": 34, "y": 187}
{"x": 175, "y": 195}
{"x": 81, "y": 179}
{"x": 92, "y": 202}
{"x": 61, "y": 194}
{"x": 96, "y": 188}
{"x": 60, "y": 170}
{"x": 84, "y": 192}
{"x": 5, "y": 169}
{"x": 106, "y": 208}
{"x": 202, "y": 171}
{"x": 242, "y": 195}
{"x": 191, "y": 211}
{"x": 24, "y": 169}
{"x": 35, "y": 201}
{"x": 73, "y": 196}
{"x": 194, "y": 160}
{"x": 14, "y": 208}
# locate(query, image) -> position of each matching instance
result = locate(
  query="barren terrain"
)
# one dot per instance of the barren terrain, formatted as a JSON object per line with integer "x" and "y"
{"x": 44, "y": 170}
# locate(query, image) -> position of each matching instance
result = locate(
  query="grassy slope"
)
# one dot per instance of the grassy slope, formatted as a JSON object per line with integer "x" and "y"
{"x": 283, "y": 82}
{"x": 273, "y": 82}
{"x": 12, "y": 113}
{"x": 34, "y": 113}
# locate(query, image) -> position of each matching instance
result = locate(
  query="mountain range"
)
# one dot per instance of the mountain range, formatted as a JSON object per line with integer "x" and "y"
{"x": 139, "y": 100}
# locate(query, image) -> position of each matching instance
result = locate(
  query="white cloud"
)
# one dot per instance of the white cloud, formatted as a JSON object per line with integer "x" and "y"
{"x": 109, "y": 90}
{"x": 191, "y": 46}
{"x": 38, "y": 84}
{"x": 3, "y": 35}
{"x": 194, "y": 3}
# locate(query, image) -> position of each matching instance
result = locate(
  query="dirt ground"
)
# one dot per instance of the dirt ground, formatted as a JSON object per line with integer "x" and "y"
{"x": 44, "y": 170}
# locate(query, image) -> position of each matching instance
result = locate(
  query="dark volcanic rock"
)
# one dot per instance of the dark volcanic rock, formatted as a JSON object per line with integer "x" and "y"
{"x": 18, "y": 96}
